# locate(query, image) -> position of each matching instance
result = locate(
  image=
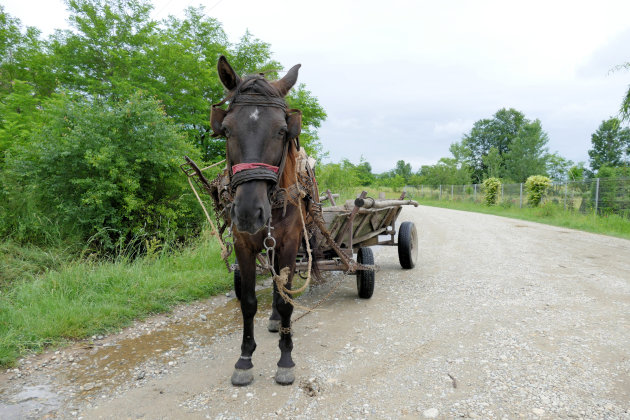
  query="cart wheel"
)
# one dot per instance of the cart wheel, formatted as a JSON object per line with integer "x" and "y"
{"x": 237, "y": 282}
{"x": 365, "y": 278}
{"x": 407, "y": 245}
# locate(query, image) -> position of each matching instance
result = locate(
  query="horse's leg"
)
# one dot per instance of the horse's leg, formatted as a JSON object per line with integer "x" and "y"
{"x": 243, "y": 372}
{"x": 274, "y": 319}
{"x": 285, "y": 374}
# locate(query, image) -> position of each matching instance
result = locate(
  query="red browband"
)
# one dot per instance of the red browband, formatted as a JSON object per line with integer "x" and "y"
{"x": 254, "y": 165}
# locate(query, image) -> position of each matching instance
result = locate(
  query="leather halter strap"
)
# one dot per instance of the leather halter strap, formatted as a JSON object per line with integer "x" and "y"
{"x": 244, "y": 166}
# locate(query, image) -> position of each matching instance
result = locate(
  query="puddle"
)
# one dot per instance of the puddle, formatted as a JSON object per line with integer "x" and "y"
{"x": 109, "y": 365}
{"x": 30, "y": 402}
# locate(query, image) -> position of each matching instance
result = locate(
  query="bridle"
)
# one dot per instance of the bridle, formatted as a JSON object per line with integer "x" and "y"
{"x": 255, "y": 171}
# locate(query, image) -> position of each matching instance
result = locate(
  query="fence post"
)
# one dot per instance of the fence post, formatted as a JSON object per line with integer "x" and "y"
{"x": 566, "y": 187}
{"x": 422, "y": 190}
{"x": 521, "y": 197}
{"x": 440, "y": 192}
{"x": 452, "y": 186}
{"x": 501, "y": 192}
{"x": 596, "y": 196}
{"x": 475, "y": 194}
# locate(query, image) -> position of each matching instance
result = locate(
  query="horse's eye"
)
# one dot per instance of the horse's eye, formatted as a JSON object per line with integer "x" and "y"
{"x": 226, "y": 131}
{"x": 282, "y": 132}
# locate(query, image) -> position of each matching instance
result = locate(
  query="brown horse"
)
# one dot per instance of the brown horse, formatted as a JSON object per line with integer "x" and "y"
{"x": 261, "y": 153}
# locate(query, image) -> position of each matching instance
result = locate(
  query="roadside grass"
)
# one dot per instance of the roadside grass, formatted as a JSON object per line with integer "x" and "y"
{"x": 26, "y": 262}
{"x": 548, "y": 213}
{"x": 86, "y": 298}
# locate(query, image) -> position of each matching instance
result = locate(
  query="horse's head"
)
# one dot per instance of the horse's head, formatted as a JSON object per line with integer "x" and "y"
{"x": 258, "y": 128}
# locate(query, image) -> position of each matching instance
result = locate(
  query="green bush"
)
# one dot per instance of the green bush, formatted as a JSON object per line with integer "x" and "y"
{"x": 491, "y": 187}
{"x": 536, "y": 187}
{"x": 105, "y": 172}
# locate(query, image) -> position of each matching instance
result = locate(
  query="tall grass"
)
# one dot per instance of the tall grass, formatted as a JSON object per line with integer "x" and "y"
{"x": 86, "y": 298}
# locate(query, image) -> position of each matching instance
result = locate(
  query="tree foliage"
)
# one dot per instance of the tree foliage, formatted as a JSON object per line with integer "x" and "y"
{"x": 95, "y": 120}
{"x": 527, "y": 153}
{"x": 624, "y": 109}
{"x": 507, "y": 146}
{"x": 116, "y": 49}
{"x": 448, "y": 171}
{"x": 610, "y": 145}
{"x": 495, "y": 133}
{"x": 108, "y": 174}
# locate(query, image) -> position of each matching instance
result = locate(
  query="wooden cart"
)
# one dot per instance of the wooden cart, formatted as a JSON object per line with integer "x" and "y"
{"x": 351, "y": 229}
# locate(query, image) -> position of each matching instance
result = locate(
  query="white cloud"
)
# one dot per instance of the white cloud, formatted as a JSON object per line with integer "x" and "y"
{"x": 453, "y": 128}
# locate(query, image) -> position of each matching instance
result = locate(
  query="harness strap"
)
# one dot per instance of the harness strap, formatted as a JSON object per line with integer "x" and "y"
{"x": 255, "y": 174}
{"x": 245, "y": 166}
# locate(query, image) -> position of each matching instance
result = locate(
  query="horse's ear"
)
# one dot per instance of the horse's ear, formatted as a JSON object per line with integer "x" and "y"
{"x": 286, "y": 83}
{"x": 216, "y": 121}
{"x": 294, "y": 125}
{"x": 228, "y": 76}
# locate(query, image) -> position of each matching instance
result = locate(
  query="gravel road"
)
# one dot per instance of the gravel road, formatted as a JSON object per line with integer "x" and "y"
{"x": 500, "y": 319}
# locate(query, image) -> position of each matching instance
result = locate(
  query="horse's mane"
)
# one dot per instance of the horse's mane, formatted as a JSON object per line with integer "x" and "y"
{"x": 290, "y": 167}
{"x": 256, "y": 83}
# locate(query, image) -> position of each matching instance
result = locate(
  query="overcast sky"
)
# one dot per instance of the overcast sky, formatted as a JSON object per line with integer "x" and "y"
{"x": 405, "y": 79}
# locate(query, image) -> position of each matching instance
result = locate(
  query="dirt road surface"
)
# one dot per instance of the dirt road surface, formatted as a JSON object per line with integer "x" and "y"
{"x": 500, "y": 319}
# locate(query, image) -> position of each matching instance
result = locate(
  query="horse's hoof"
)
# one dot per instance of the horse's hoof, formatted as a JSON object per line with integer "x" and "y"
{"x": 285, "y": 376}
{"x": 273, "y": 325}
{"x": 242, "y": 377}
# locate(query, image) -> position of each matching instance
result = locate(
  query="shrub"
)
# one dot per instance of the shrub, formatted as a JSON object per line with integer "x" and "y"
{"x": 536, "y": 187}
{"x": 107, "y": 172}
{"x": 491, "y": 188}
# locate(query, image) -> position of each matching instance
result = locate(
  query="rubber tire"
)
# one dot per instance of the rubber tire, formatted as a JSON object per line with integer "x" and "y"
{"x": 365, "y": 278}
{"x": 407, "y": 245}
{"x": 237, "y": 283}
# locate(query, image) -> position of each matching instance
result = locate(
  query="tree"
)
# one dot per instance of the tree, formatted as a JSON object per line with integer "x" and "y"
{"x": 24, "y": 56}
{"x": 497, "y": 132}
{"x": 576, "y": 172}
{"x": 403, "y": 169}
{"x": 448, "y": 171}
{"x": 507, "y": 146}
{"x": 364, "y": 173}
{"x": 558, "y": 168}
{"x": 337, "y": 176}
{"x": 527, "y": 153}
{"x": 20, "y": 114}
{"x": 625, "y": 103}
{"x": 313, "y": 115}
{"x": 493, "y": 162}
{"x": 610, "y": 145}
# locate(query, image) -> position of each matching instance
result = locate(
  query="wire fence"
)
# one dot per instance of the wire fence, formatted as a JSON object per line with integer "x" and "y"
{"x": 603, "y": 196}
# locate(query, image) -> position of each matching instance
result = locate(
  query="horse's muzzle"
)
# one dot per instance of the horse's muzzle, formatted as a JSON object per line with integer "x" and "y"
{"x": 251, "y": 208}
